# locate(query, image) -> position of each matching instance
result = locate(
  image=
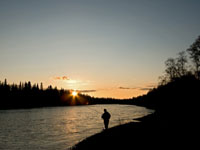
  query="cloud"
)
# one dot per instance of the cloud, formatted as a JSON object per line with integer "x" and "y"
{"x": 145, "y": 89}
{"x": 148, "y": 87}
{"x": 126, "y": 88}
{"x": 151, "y": 86}
{"x": 61, "y": 78}
{"x": 71, "y": 82}
{"x": 86, "y": 91}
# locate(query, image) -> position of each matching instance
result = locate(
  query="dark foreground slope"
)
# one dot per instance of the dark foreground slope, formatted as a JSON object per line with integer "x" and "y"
{"x": 149, "y": 133}
{"x": 121, "y": 137}
{"x": 175, "y": 123}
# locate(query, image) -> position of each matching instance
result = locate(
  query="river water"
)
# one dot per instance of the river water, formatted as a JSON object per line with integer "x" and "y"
{"x": 59, "y": 128}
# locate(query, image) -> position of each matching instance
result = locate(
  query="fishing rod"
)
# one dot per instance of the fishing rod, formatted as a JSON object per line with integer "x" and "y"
{"x": 120, "y": 121}
{"x": 94, "y": 110}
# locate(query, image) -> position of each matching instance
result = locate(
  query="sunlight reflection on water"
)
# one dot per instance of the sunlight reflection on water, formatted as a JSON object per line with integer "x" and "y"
{"x": 59, "y": 127}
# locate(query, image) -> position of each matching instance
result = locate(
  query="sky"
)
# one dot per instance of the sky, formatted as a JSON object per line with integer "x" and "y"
{"x": 103, "y": 48}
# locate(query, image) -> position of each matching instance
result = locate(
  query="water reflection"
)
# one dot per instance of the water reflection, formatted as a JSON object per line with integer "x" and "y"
{"x": 70, "y": 118}
{"x": 59, "y": 127}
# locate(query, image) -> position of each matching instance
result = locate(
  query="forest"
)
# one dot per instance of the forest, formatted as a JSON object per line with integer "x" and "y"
{"x": 26, "y": 95}
{"x": 176, "y": 98}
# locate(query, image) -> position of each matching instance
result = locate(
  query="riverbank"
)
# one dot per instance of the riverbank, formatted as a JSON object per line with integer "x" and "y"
{"x": 120, "y": 137}
{"x": 151, "y": 132}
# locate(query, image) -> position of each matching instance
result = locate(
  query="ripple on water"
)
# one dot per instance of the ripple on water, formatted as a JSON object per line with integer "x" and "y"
{"x": 59, "y": 127}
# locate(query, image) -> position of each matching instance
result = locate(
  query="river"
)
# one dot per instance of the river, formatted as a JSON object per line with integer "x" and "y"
{"x": 59, "y": 127}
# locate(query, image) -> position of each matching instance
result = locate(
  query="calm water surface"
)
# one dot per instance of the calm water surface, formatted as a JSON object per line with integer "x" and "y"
{"x": 59, "y": 128}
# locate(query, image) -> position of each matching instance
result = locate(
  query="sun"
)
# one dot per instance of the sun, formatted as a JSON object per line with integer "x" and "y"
{"x": 74, "y": 93}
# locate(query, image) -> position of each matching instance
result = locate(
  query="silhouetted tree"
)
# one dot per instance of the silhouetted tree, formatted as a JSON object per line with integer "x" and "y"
{"x": 29, "y": 85}
{"x": 181, "y": 64}
{"x": 41, "y": 86}
{"x": 37, "y": 86}
{"x": 175, "y": 68}
{"x": 171, "y": 69}
{"x": 49, "y": 87}
{"x": 194, "y": 52}
{"x": 5, "y": 82}
{"x": 20, "y": 85}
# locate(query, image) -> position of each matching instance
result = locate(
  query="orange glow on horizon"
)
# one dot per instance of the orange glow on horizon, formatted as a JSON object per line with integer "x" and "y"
{"x": 118, "y": 94}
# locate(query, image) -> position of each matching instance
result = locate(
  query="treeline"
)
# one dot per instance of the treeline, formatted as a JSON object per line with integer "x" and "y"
{"x": 181, "y": 65}
{"x": 28, "y": 95}
{"x": 176, "y": 98}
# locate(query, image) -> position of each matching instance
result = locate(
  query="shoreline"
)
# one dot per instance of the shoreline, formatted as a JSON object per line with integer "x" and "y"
{"x": 120, "y": 136}
{"x": 151, "y": 131}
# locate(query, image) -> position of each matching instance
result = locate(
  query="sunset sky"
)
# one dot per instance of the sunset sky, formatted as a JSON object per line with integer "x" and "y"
{"x": 105, "y": 48}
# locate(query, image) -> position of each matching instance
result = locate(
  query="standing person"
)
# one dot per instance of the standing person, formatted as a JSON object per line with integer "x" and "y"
{"x": 106, "y": 116}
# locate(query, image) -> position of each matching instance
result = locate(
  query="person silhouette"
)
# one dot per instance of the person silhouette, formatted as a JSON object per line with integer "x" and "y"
{"x": 106, "y": 116}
